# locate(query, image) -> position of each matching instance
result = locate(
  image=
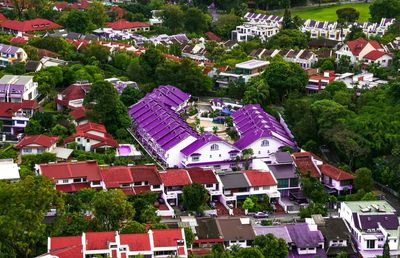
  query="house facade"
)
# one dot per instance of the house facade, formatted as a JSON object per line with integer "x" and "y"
{"x": 36, "y": 144}
{"x": 371, "y": 224}
{"x": 15, "y": 116}
{"x": 72, "y": 97}
{"x": 16, "y": 27}
{"x": 336, "y": 178}
{"x": 128, "y": 26}
{"x": 11, "y": 54}
{"x": 15, "y": 88}
{"x": 243, "y": 72}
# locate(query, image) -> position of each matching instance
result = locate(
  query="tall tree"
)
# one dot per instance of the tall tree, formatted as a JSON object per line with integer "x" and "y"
{"x": 195, "y": 20}
{"x": 97, "y": 14}
{"x": 384, "y": 9}
{"x": 347, "y": 14}
{"x": 226, "y": 23}
{"x": 194, "y": 197}
{"x": 173, "y": 17}
{"x": 257, "y": 92}
{"x": 271, "y": 246}
{"x": 363, "y": 180}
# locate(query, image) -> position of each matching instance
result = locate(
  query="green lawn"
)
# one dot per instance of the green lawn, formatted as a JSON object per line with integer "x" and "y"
{"x": 328, "y": 13}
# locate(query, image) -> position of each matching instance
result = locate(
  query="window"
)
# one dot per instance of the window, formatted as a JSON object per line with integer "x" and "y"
{"x": 77, "y": 180}
{"x": 87, "y": 140}
{"x": 137, "y": 183}
{"x": 371, "y": 244}
{"x": 195, "y": 158}
{"x": 214, "y": 147}
{"x": 156, "y": 186}
{"x": 266, "y": 187}
{"x": 210, "y": 156}
{"x": 217, "y": 167}
{"x": 27, "y": 150}
{"x": 96, "y": 183}
{"x": 78, "y": 139}
{"x": 65, "y": 181}
{"x": 233, "y": 155}
{"x": 264, "y": 143}
{"x": 219, "y": 155}
{"x": 256, "y": 188}
{"x": 125, "y": 185}
{"x": 283, "y": 183}
{"x": 209, "y": 185}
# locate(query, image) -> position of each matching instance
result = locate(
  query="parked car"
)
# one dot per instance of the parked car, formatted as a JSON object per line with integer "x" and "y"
{"x": 260, "y": 215}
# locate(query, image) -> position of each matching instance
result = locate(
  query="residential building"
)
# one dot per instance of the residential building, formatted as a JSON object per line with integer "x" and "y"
{"x": 28, "y": 26}
{"x": 336, "y": 179}
{"x": 72, "y": 97}
{"x": 79, "y": 116}
{"x": 132, "y": 179}
{"x": 365, "y": 52}
{"x": 208, "y": 179}
{"x": 307, "y": 162}
{"x": 15, "y": 116}
{"x": 9, "y": 170}
{"x": 337, "y": 236}
{"x": 195, "y": 52}
{"x": 174, "y": 180}
{"x": 15, "y": 88}
{"x": 318, "y": 82}
{"x": 80, "y": 5}
{"x": 73, "y": 176}
{"x": 260, "y": 131}
{"x": 121, "y": 85}
{"x": 92, "y": 136}
{"x": 11, "y": 54}
{"x": 255, "y": 29}
{"x": 371, "y": 224}
{"x": 243, "y": 72}
{"x": 36, "y": 144}
{"x": 304, "y": 57}
{"x": 155, "y": 243}
{"x": 128, "y": 26}
{"x": 207, "y": 234}
{"x": 236, "y": 231}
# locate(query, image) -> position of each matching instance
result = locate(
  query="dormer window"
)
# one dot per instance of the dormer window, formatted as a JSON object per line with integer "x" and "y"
{"x": 264, "y": 143}
{"x": 214, "y": 147}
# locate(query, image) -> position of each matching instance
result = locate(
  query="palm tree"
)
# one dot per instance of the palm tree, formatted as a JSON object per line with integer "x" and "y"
{"x": 257, "y": 93}
{"x": 215, "y": 129}
{"x": 201, "y": 129}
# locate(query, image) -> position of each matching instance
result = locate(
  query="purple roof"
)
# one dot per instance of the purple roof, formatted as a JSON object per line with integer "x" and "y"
{"x": 303, "y": 237}
{"x": 388, "y": 221}
{"x": 253, "y": 123}
{"x": 201, "y": 141}
{"x": 8, "y": 49}
{"x": 320, "y": 254}
{"x": 169, "y": 95}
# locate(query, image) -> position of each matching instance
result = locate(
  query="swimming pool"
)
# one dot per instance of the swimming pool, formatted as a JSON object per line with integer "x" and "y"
{"x": 124, "y": 150}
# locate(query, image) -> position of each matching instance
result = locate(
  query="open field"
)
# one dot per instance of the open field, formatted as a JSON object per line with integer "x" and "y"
{"x": 328, "y": 13}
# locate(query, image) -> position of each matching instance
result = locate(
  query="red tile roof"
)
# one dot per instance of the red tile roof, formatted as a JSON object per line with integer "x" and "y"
{"x": 147, "y": 173}
{"x": 124, "y": 24}
{"x": 136, "y": 242}
{"x": 374, "y": 55}
{"x": 2, "y": 17}
{"x": 42, "y": 140}
{"x": 64, "y": 170}
{"x": 120, "y": 11}
{"x": 73, "y": 92}
{"x": 78, "y": 113}
{"x": 175, "y": 177}
{"x": 18, "y": 40}
{"x": 84, "y": 130}
{"x": 201, "y": 176}
{"x": 335, "y": 173}
{"x": 211, "y": 36}
{"x": 68, "y": 188}
{"x": 167, "y": 237}
{"x": 115, "y": 176}
{"x": 90, "y": 126}
{"x": 304, "y": 154}
{"x": 7, "y": 109}
{"x": 257, "y": 178}
{"x": 66, "y": 247}
{"x": 99, "y": 240}
{"x": 357, "y": 45}
{"x": 305, "y": 164}
{"x": 37, "y": 24}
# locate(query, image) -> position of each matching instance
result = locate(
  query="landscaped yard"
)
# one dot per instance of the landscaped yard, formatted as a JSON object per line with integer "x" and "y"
{"x": 328, "y": 13}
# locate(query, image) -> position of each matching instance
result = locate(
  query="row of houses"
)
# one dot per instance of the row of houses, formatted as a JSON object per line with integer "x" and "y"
{"x": 361, "y": 230}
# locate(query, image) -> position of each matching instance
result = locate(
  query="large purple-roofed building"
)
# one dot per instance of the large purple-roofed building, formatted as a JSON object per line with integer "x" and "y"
{"x": 160, "y": 129}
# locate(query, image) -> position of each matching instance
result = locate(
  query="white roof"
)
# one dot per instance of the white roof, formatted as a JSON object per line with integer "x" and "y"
{"x": 252, "y": 64}
{"x": 8, "y": 170}
{"x": 62, "y": 153}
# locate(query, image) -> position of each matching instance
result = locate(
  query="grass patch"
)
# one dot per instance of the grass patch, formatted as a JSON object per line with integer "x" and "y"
{"x": 328, "y": 13}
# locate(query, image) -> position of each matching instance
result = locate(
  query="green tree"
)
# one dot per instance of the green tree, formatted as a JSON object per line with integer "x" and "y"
{"x": 194, "y": 197}
{"x": 288, "y": 21}
{"x": 386, "y": 249}
{"x": 348, "y": 14}
{"x": 111, "y": 209}
{"x": 97, "y": 14}
{"x": 195, "y": 20}
{"x": 257, "y": 92}
{"x": 97, "y": 52}
{"x": 133, "y": 227}
{"x": 33, "y": 127}
{"x": 77, "y": 21}
{"x": 313, "y": 208}
{"x": 384, "y": 9}
{"x": 327, "y": 65}
{"x": 189, "y": 236}
{"x": 290, "y": 38}
{"x": 104, "y": 106}
{"x": 355, "y": 33}
{"x": 363, "y": 180}
{"x": 250, "y": 252}
{"x": 75, "y": 223}
{"x": 130, "y": 96}
{"x": 342, "y": 255}
{"x": 173, "y": 17}
{"x": 226, "y": 23}
{"x": 271, "y": 246}
{"x": 248, "y": 204}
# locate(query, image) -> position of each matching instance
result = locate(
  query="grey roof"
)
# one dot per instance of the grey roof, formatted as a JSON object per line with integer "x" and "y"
{"x": 234, "y": 180}
{"x": 15, "y": 79}
{"x": 334, "y": 229}
{"x": 207, "y": 229}
{"x": 282, "y": 171}
{"x": 283, "y": 157}
{"x": 73, "y": 35}
{"x": 32, "y": 65}
{"x": 232, "y": 229}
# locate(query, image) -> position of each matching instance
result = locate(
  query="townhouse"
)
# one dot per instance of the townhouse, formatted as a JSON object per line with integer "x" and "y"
{"x": 120, "y": 86}
{"x": 304, "y": 57}
{"x": 154, "y": 243}
{"x": 195, "y": 52}
{"x": 255, "y": 29}
{"x": 235, "y": 231}
{"x": 15, "y": 88}
{"x": 28, "y": 26}
{"x": 36, "y": 144}
{"x": 91, "y": 137}
{"x": 11, "y": 55}
{"x": 174, "y": 180}
{"x": 371, "y": 224}
{"x": 336, "y": 179}
{"x": 364, "y": 52}
{"x": 157, "y": 125}
{"x": 72, "y": 97}
{"x": 208, "y": 179}
{"x": 127, "y": 26}
{"x": 73, "y": 176}
{"x": 79, "y": 115}
{"x": 15, "y": 115}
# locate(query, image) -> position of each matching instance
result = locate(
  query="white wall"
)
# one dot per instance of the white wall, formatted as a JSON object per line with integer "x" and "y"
{"x": 264, "y": 151}
{"x": 173, "y": 156}
{"x": 207, "y": 155}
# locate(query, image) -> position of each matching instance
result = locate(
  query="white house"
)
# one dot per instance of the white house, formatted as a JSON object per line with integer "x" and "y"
{"x": 11, "y": 54}
{"x": 36, "y": 144}
{"x": 15, "y": 88}
{"x": 243, "y": 72}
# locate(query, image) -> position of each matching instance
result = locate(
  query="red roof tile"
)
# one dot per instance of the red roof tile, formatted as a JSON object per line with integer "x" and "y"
{"x": 136, "y": 242}
{"x": 99, "y": 240}
{"x": 335, "y": 173}
{"x": 18, "y": 40}
{"x": 305, "y": 164}
{"x": 145, "y": 173}
{"x": 141, "y": 189}
{"x": 211, "y": 36}
{"x": 68, "y": 188}
{"x": 90, "y": 126}
{"x": 66, "y": 247}
{"x": 7, "y": 109}
{"x": 120, "y": 11}
{"x": 64, "y": 170}
{"x": 73, "y": 92}
{"x": 357, "y": 45}
{"x": 175, "y": 177}
{"x": 78, "y": 113}
{"x": 374, "y": 55}
{"x": 124, "y": 24}
{"x": 42, "y": 140}
{"x": 86, "y": 130}
{"x": 201, "y": 176}
{"x": 167, "y": 237}
{"x": 37, "y": 24}
{"x": 2, "y": 17}
{"x": 257, "y": 178}
{"x": 115, "y": 176}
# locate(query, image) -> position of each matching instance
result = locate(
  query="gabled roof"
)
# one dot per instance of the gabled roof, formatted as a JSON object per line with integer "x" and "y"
{"x": 303, "y": 237}
{"x": 233, "y": 229}
{"x": 115, "y": 176}
{"x": 234, "y": 180}
{"x": 257, "y": 178}
{"x": 73, "y": 92}
{"x": 42, "y": 140}
{"x": 65, "y": 170}
{"x": 84, "y": 130}
{"x": 90, "y": 126}
{"x": 99, "y": 240}
{"x": 18, "y": 40}
{"x": 65, "y": 247}
{"x": 305, "y": 164}
{"x": 374, "y": 55}
{"x": 211, "y": 36}
{"x": 136, "y": 242}
{"x": 7, "y": 109}
{"x": 201, "y": 141}
{"x": 30, "y": 25}
{"x": 8, "y": 49}
{"x": 335, "y": 173}
{"x": 202, "y": 176}
{"x": 167, "y": 237}
{"x": 78, "y": 113}
{"x": 124, "y": 24}
{"x": 175, "y": 177}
